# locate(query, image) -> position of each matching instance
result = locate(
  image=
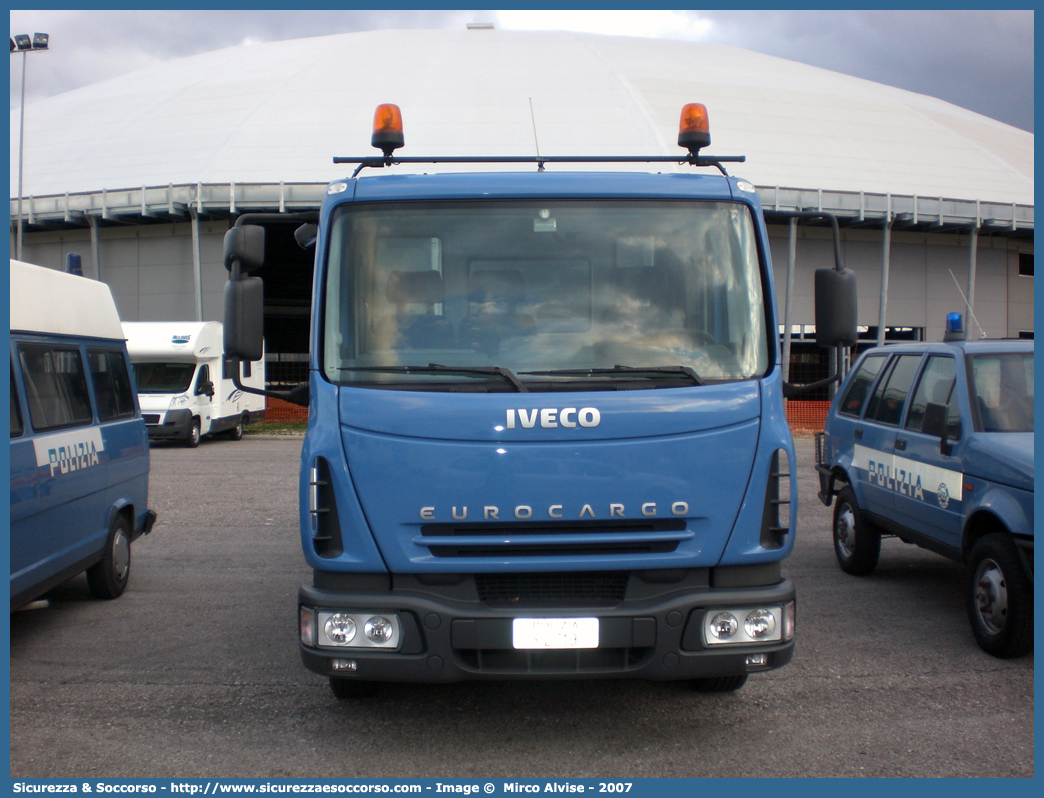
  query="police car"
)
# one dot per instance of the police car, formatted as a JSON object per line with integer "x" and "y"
{"x": 933, "y": 443}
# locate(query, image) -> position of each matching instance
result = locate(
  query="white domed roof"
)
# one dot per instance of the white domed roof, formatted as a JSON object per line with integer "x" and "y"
{"x": 280, "y": 112}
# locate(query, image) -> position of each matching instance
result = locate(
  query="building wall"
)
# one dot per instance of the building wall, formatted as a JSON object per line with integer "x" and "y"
{"x": 150, "y": 271}
{"x": 921, "y": 289}
{"x": 149, "y": 268}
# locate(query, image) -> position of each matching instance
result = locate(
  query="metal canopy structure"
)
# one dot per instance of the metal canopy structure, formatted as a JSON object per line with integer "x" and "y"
{"x": 150, "y": 204}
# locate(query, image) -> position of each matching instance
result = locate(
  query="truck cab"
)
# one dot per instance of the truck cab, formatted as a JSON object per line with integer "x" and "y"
{"x": 933, "y": 443}
{"x": 546, "y": 431}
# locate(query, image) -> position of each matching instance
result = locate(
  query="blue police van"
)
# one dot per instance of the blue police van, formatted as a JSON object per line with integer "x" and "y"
{"x": 79, "y": 451}
{"x": 933, "y": 443}
{"x": 546, "y": 430}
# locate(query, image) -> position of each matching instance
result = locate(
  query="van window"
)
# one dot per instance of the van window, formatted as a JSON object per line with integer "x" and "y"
{"x": 112, "y": 390}
{"x": 860, "y": 387}
{"x": 890, "y": 396}
{"x": 164, "y": 377}
{"x": 246, "y": 368}
{"x": 55, "y": 385}
{"x": 16, "y": 411}
{"x": 937, "y": 386}
{"x": 204, "y": 376}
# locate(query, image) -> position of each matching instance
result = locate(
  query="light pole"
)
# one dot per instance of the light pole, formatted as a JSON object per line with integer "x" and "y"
{"x": 21, "y": 43}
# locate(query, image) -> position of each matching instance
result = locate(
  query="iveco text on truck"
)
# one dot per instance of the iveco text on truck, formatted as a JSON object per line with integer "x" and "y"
{"x": 546, "y": 430}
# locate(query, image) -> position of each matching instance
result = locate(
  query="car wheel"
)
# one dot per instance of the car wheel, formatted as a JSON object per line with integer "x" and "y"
{"x": 236, "y": 433}
{"x": 857, "y": 543}
{"x": 108, "y": 578}
{"x": 1000, "y": 597}
{"x": 192, "y": 441}
{"x": 346, "y": 689}
{"x": 719, "y": 684}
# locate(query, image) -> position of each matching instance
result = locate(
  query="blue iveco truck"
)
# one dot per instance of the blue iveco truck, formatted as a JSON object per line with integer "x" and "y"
{"x": 546, "y": 430}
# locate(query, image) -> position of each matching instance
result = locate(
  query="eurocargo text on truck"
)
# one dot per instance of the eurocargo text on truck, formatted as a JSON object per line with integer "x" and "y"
{"x": 546, "y": 431}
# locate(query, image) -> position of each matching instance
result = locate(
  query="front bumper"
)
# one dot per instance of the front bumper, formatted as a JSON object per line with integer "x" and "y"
{"x": 654, "y": 633}
{"x": 174, "y": 425}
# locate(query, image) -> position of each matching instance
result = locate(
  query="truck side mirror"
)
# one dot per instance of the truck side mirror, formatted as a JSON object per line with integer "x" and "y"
{"x": 244, "y": 318}
{"x": 935, "y": 424}
{"x": 205, "y": 387}
{"x": 245, "y": 243}
{"x": 836, "y": 307}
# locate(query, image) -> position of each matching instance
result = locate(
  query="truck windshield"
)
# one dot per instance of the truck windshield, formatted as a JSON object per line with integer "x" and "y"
{"x": 561, "y": 295}
{"x": 1004, "y": 391}
{"x": 164, "y": 377}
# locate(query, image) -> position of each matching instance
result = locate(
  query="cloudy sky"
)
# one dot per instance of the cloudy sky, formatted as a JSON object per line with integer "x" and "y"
{"x": 981, "y": 60}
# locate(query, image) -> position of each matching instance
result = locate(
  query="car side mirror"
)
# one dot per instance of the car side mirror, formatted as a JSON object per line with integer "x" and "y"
{"x": 935, "y": 424}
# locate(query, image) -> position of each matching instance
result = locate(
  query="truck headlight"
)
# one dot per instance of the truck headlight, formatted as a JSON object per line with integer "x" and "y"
{"x": 759, "y": 624}
{"x": 340, "y": 629}
{"x": 721, "y": 627}
{"x": 378, "y": 629}
{"x": 179, "y": 401}
{"x": 354, "y": 629}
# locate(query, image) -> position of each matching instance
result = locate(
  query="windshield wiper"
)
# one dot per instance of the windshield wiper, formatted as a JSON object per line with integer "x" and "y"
{"x": 499, "y": 371}
{"x": 685, "y": 371}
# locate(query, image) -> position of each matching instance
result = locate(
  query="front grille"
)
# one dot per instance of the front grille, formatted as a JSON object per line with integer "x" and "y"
{"x": 555, "y": 549}
{"x": 151, "y": 418}
{"x": 554, "y": 538}
{"x": 548, "y": 589}
{"x": 589, "y": 661}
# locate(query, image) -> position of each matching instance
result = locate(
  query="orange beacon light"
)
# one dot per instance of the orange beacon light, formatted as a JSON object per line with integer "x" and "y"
{"x": 694, "y": 128}
{"x": 387, "y": 129}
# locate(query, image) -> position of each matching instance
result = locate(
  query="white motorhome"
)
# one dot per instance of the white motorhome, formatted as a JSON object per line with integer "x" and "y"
{"x": 185, "y": 386}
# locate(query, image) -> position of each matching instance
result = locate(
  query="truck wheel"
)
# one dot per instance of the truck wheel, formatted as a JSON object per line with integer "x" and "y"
{"x": 108, "y": 578}
{"x": 192, "y": 441}
{"x": 236, "y": 433}
{"x": 1000, "y": 597}
{"x": 719, "y": 684}
{"x": 857, "y": 544}
{"x": 346, "y": 689}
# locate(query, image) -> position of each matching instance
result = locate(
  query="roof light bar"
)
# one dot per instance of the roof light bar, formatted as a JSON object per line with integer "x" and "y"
{"x": 694, "y": 133}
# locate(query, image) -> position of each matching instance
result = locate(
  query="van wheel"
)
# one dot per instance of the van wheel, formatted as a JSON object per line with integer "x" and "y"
{"x": 236, "y": 433}
{"x": 1000, "y": 597}
{"x": 719, "y": 684}
{"x": 857, "y": 543}
{"x": 192, "y": 441}
{"x": 108, "y": 578}
{"x": 346, "y": 689}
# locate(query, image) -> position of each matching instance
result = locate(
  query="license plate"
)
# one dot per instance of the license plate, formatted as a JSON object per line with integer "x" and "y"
{"x": 555, "y": 633}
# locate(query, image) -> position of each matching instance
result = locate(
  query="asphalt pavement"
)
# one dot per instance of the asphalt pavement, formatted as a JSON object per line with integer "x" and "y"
{"x": 195, "y": 671}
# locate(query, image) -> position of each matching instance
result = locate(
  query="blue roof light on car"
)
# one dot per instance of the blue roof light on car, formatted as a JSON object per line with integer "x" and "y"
{"x": 954, "y": 327}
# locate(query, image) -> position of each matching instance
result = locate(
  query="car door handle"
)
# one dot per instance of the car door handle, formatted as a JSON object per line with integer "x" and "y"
{"x": 858, "y": 434}
{"x": 900, "y": 444}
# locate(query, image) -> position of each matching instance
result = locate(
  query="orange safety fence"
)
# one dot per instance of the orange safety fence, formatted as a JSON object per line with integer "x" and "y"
{"x": 806, "y": 417}
{"x": 282, "y": 412}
